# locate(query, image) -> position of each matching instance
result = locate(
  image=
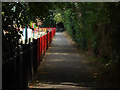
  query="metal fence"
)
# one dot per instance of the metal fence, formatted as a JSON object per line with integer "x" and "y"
{"x": 21, "y": 64}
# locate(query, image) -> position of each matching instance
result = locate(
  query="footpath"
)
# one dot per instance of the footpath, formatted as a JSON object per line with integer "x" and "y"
{"x": 63, "y": 67}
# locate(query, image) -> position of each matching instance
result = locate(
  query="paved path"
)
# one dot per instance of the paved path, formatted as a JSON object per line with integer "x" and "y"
{"x": 63, "y": 67}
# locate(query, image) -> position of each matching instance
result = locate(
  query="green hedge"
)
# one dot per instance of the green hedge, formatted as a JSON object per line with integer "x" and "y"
{"x": 94, "y": 26}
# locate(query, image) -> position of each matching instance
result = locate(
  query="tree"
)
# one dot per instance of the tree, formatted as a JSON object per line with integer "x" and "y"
{"x": 16, "y": 14}
{"x": 93, "y": 26}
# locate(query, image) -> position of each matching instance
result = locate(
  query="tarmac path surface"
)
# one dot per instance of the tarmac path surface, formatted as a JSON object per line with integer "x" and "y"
{"x": 64, "y": 67}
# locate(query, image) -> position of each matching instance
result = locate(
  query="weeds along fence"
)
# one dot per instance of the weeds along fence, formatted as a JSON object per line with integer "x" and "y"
{"x": 20, "y": 65}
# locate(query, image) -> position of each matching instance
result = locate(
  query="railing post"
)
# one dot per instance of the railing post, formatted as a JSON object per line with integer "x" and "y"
{"x": 37, "y": 51}
{"x": 35, "y": 55}
{"x": 15, "y": 71}
{"x": 21, "y": 66}
{"x": 40, "y": 48}
{"x": 44, "y": 44}
{"x": 29, "y": 63}
{"x": 47, "y": 39}
{"x": 26, "y": 36}
{"x": 31, "y": 51}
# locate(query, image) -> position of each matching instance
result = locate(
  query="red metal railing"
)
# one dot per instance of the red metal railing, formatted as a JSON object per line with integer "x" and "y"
{"x": 43, "y": 43}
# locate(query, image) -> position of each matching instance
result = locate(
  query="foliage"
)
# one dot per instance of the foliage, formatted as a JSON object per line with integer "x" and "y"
{"x": 94, "y": 26}
{"x": 12, "y": 14}
{"x": 15, "y": 14}
{"x": 58, "y": 18}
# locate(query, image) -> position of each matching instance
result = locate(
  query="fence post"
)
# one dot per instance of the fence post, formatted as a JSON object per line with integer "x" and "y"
{"x": 35, "y": 56}
{"x": 37, "y": 51}
{"x": 40, "y": 48}
{"x": 31, "y": 51}
{"x": 47, "y": 39}
{"x": 21, "y": 65}
{"x": 44, "y": 44}
{"x": 25, "y": 67}
{"x": 29, "y": 63}
{"x": 26, "y": 34}
{"x": 15, "y": 69}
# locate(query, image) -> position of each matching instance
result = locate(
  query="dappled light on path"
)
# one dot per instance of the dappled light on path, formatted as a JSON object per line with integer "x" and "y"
{"x": 64, "y": 67}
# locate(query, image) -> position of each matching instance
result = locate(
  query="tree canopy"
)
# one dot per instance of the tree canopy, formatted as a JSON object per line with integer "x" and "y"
{"x": 91, "y": 25}
{"x": 15, "y": 14}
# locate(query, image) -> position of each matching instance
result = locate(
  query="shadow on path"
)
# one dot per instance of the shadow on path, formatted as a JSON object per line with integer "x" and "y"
{"x": 63, "y": 67}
